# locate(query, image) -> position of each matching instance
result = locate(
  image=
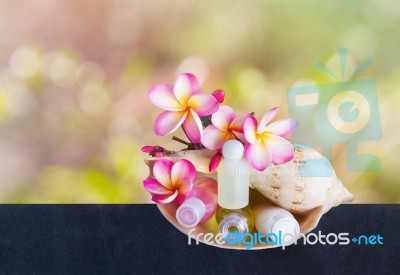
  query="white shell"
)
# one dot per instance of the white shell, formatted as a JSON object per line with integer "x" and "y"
{"x": 283, "y": 184}
{"x": 307, "y": 197}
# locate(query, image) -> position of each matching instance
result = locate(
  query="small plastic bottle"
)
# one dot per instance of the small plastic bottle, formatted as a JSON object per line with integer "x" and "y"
{"x": 273, "y": 219}
{"x": 200, "y": 205}
{"x": 234, "y": 212}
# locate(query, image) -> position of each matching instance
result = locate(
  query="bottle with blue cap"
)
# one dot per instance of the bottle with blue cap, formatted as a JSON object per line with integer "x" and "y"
{"x": 234, "y": 212}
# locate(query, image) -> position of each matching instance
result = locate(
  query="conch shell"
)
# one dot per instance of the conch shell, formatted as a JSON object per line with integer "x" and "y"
{"x": 307, "y": 186}
{"x": 306, "y": 182}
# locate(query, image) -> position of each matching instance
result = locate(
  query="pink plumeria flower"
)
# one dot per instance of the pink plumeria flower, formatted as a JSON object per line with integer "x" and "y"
{"x": 184, "y": 103}
{"x": 219, "y": 95}
{"x": 215, "y": 161}
{"x": 171, "y": 181}
{"x": 224, "y": 126}
{"x": 265, "y": 141}
{"x": 155, "y": 151}
{"x": 149, "y": 149}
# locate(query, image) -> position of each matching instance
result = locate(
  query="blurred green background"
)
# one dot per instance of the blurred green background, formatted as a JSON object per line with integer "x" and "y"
{"x": 74, "y": 77}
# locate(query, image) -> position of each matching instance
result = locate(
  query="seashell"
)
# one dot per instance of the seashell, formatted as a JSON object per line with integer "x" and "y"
{"x": 306, "y": 182}
{"x": 307, "y": 186}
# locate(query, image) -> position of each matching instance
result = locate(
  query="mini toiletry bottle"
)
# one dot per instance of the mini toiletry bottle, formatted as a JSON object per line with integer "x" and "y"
{"x": 273, "y": 219}
{"x": 233, "y": 213}
{"x": 200, "y": 205}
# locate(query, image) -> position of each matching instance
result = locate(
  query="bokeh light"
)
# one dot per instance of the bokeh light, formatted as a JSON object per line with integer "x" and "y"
{"x": 74, "y": 77}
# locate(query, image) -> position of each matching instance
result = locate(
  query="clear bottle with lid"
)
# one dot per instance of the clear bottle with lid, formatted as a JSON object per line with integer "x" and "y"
{"x": 234, "y": 212}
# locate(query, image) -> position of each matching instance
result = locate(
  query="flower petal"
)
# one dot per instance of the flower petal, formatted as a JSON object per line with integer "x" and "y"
{"x": 162, "y": 172}
{"x": 282, "y": 150}
{"x": 238, "y": 123}
{"x": 185, "y": 86}
{"x": 163, "y": 199}
{"x": 213, "y": 138}
{"x": 182, "y": 169}
{"x": 193, "y": 127}
{"x": 258, "y": 155}
{"x": 203, "y": 104}
{"x": 222, "y": 118}
{"x": 207, "y": 184}
{"x": 249, "y": 130}
{"x": 282, "y": 127}
{"x": 184, "y": 187}
{"x": 155, "y": 188}
{"x": 239, "y": 136}
{"x": 162, "y": 95}
{"x": 267, "y": 119}
{"x": 219, "y": 95}
{"x": 148, "y": 149}
{"x": 168, "y": 122}
{"x": 214, "y": 162}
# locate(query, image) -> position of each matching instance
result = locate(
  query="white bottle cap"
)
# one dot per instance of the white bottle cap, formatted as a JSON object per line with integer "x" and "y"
{"x": 190, "y": 212}
{"x": 233, "y": 149}
{"x": 285, "y": 224}
{"x": 273, "y": 219}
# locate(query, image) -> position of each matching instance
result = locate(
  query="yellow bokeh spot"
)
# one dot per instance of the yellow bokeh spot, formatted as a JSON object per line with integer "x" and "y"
{"x": 3, "y": 105}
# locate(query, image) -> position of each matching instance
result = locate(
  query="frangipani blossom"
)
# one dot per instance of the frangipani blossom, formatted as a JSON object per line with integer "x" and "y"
{"x": 214, "y": 161}
{"x": 155, "y": 151}
{"x": 265, "y": 142}
{"x": 171, "y": 181}
{"x": 219, "y": 95}
{"x": 225, "y": 126}
{"x": 183, "y": 104}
